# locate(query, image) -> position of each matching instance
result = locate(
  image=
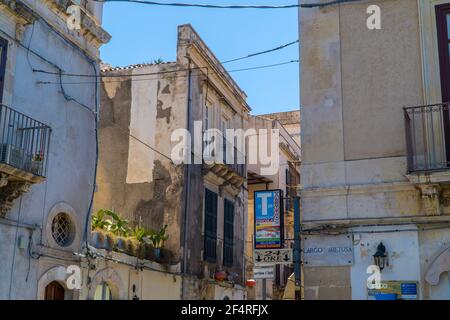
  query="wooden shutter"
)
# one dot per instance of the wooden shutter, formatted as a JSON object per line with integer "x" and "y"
{"x": 228, "y": 232}
{"x": 210, "y": 226}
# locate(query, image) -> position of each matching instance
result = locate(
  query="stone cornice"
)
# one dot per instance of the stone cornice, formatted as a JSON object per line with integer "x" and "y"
{"x": 359, "y": 189}
{"x": 88, "y": 23}
{"x": 20, "y": 10}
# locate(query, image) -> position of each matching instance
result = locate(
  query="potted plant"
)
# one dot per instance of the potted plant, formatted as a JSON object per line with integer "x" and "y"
{"x": 109, "y": 243}
{"x": 99, "y": 226}
{"x": 97, "y": 238}
{"x": 37, "y": 161}
{"x": 158, "y": 239}
{"x": 220, "y": 275}
{"x": 139, "y": 234}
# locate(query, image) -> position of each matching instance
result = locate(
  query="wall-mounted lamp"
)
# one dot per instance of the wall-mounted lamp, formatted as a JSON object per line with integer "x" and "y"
{"x": 135, "y": 297}
{"x": 380, "y": 257}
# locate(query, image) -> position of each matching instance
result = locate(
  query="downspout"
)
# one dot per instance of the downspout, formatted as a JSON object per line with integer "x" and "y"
{"x": 187, "y": 179}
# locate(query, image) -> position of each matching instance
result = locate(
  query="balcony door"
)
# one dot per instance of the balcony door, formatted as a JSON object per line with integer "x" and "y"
{"x": 443, "y": 30}
{"x": 3, "y": 54}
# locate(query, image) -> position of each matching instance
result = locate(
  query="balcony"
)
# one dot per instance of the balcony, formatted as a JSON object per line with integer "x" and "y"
{"x": 428, "y": 153}
{"x": 23, "y": 154}
{"x": 231, "y": 168}
{"x": 428, "y": 138}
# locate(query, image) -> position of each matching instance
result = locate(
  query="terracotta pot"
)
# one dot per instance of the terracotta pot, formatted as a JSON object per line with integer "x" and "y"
{"x": 220, "y": 275}
{"x": 250, "y": 283}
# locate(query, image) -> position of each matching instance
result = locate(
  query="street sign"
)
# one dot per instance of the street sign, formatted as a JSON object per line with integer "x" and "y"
{"x": 405, "y": 290}
{"x": 327, "y": 250}
{"x": 272, "y": 257}
{"x": 264, "y": 273}
{"x": 268, "y": 210}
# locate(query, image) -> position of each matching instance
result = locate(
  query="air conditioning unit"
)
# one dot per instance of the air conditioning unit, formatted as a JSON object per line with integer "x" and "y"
{"x": 12, "y": 155}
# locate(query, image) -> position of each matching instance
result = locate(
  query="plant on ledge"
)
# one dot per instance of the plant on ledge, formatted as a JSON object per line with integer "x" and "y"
{"x": 158, "y": 239}
{"x": 111, "y": 232}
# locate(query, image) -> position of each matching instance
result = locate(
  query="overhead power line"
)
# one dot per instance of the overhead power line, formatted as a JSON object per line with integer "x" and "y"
{"x": 262, "y": 52}
{"x": 220, "y": 6}
{"x": 266, "y": 66}
{"x": 145, "y": 74}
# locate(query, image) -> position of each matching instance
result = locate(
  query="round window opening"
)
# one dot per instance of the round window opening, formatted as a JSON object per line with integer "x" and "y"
{"x": 62, "y": 230}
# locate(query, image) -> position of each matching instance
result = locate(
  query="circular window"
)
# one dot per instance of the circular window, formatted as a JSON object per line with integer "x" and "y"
{"x": 62, "y": 230}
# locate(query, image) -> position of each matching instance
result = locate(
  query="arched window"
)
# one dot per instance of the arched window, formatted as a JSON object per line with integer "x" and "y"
{"x": 54, "y": 291}
{"x": 103, "y": 292}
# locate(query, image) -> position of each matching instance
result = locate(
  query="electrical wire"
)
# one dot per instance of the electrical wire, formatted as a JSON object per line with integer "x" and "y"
{"x": 218, "y": 6}
{"x": 265, "y": 66}
{"x": 262, "y": 52}
{"x": 147, "y": 73}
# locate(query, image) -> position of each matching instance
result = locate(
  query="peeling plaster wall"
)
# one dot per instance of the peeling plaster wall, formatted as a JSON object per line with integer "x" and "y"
{"x": 134, "y": 180}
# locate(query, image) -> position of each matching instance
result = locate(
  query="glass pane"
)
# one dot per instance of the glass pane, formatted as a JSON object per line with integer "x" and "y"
{"x": 448, "y": 26}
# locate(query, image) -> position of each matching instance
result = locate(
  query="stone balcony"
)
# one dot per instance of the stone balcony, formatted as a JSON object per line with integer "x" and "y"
{"x": 23, "y": 155}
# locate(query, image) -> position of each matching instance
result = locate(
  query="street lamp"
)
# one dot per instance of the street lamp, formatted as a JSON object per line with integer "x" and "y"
{"x": 380, "y": 257}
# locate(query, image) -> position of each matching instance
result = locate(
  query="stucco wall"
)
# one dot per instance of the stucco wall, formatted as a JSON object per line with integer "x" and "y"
{"x": 71, "y": 154}
{"x": 354, "y": 84}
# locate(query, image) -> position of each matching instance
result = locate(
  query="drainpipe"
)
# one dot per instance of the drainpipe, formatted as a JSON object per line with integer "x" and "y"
{"x": 187, "y": 179}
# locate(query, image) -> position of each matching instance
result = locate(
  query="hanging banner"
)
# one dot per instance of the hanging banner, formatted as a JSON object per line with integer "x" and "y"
{"x": 268, "y": 208}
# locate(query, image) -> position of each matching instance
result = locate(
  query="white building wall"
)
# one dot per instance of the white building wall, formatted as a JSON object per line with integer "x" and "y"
{"x": 71, "y": 158}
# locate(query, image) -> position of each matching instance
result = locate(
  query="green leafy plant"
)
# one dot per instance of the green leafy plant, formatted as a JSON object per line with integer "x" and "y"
{"x": 158, "y": 61}
{"x": 158, "y": 238}
{"x": 99, "y": 222}
{"x": 115, "y": 224}
{"x": 139, "y": 233}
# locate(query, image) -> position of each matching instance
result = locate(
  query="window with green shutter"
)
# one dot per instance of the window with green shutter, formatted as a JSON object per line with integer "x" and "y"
{"x": 210, "y": 244}
{"x": 228, "y": 232}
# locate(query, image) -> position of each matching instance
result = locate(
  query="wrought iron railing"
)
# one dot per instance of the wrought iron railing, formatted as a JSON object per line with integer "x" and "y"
{"x": 428, "y": 137}
{"x": 24, "y": 142}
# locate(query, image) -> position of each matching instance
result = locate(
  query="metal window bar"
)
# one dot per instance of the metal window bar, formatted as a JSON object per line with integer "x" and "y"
{"x": 24, "y": 142}
{"x": 427, "y": 130}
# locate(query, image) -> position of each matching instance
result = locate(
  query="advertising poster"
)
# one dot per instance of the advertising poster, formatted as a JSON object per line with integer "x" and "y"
{"x": 268, "y": 219}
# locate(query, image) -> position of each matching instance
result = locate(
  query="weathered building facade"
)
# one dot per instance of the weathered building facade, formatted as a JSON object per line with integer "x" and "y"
{"x": 374, "y": 172}
{"x": 285, "y": 178}
{"x": 147, "y": 112}
{"x": 47, "y": 142}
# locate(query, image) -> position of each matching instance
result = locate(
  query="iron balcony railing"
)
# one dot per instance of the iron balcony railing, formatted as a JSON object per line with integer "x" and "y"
{"x": 24, "y": 142}
{"x": 428, "y": 137}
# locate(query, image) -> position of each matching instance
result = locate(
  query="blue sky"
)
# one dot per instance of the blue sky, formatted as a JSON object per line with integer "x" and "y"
{"x": 142, "y": 33}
